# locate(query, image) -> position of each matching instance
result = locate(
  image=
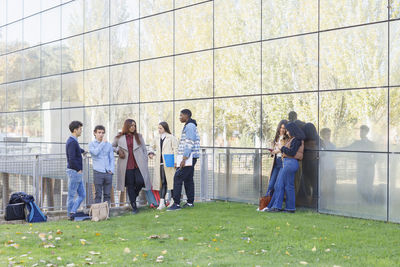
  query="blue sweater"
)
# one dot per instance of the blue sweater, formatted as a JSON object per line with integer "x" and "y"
{"x": 74, "y": 154}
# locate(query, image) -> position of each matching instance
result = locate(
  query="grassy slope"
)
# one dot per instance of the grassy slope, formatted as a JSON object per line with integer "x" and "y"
{"x": 219, "y": 234}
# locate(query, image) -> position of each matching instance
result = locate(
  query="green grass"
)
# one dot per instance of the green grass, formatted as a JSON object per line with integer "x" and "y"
{"x": 214, "y": 234}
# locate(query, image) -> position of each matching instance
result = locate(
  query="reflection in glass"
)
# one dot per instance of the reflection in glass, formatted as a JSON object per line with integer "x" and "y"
{"x": 3, "y": 94}
{"x": 95, "y": 116}
{"x": 124, "y": 83}
{"x": 156, "y": 79}
{"x": 3, "y": 61}
{"x": 394, "y": 52}
{"x": 394, "y": 9}
{"x": 183, "y": 3}
{"x": 290, "y": 64}
{"x": 194, "y": 75}
{"x": 237, "y": 122}
{"x": 354, "y": 57}
{"x": 72, "y": 18}
{"x": 72, "y": 90}
{"x": 14, "y": 96}
{"x": 118, "y": 114}
{"x": 33, "y": 126}
{"x": 237, "y": 70}
{"x": 32, "y": 36}
{"x": 150, "y": 7}
{"x": 344, "y": 112}
{"x": 125, "y": 42}
{"x": 394, "y": 185}
{"x": 14, "y": 124}
{"x": 31, "y": 7}
{"x": 351, "y": 12}
{"x": 46, "y": 4}
{"x": 14, "y": 10}
{"x": 202, "y": 112}
{"x": 237, "y": 22}
{"x": 51, "y": 92}
{"x": 31, "y": 94}
{"x": 51, "y": 30}
{"x": 96, "y": 14}
{"x": 51, "y": 58}
{"x": 394, "y": 120}
{"x": 3, "y": 40}
{"x": 123, "y": 10}
{"x": 14, "y": 36}
{"x": 31, "y": 62}
{"x": 68, "y": 115}
{"x": 96, "y": 84}
{"x": 151, "y": 115}
{"x": 156, "y": 36}
{"x": 72, "y": 54}
{"x": 96, "y": 48}
{"x": 14, "y": 66}
{"x": 194, "y": 28}
{"x": 360, "y": 186}
{"x": 283, "y": 18}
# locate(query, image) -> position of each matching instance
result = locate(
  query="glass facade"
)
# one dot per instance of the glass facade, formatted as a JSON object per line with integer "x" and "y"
{"x": 240, "y": 65}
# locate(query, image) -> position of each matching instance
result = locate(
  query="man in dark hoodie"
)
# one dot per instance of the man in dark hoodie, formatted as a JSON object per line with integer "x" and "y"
{"x": 189, "y": 152}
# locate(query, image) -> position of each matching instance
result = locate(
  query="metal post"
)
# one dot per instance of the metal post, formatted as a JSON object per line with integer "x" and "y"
{"x": 36, "y": 181}
{"x": 204, "y": 176}
{"x": 228, "y": 170}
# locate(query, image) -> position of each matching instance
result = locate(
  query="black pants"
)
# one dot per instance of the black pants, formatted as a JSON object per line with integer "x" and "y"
{"x": 102, "y": 185}
{"x": 164, "y": 188}
{"x": 134, "y": 183}
{"x": 184, "y": 175}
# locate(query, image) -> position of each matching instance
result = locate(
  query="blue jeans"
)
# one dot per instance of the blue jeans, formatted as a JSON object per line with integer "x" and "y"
{"x": 75, "y": 185}
{"x": 274, "y": 174}
{"x": 285, "y": 184}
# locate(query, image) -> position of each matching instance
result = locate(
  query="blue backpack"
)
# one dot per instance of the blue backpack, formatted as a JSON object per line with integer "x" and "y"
{"x": 34, "y": 212}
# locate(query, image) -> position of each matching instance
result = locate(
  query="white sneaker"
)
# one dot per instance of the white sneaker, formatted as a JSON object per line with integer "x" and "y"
{"x": 265, "y": 209}
{"x": 171, "y": 203}
{"x": 162, "y": 204}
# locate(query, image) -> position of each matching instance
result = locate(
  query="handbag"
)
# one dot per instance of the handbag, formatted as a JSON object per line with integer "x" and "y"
{"x": 264, "y": 201}
{"x": 99, "y": 211}
{"x": 15, "y": 212}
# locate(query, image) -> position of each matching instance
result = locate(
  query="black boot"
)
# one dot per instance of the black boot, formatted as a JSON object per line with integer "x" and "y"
{"x": 134, "y": 208}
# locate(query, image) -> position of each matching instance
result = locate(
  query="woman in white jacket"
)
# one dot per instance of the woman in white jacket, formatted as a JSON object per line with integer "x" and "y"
{"x": 166, "y": 144}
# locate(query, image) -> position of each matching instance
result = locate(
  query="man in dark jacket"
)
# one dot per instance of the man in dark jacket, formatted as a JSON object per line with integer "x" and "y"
{"x": 74, "y": 169}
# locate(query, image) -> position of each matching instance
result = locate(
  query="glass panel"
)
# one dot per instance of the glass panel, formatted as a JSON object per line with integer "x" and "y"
{"x": 31, "y": 62}
{"x": 150, "y": 116}
{"x": 51, "y": 27}
{"x": 46, "y": 4}
{"x": 394, "y": 185}
{"x": 394, "y": 9}
{"x": 3, "y": 133}
{"x": 31, "y": 7}
{"x": 3, "y": 12}
{"x": 68, "y": 115}
{"x": 51, "y": 58}
{"x": 351, "y": 12}
{"x": 14, "y": 66}
{"x": 32, "y": 31}
{"x": 96, "y": 14}
{"x": 96, "y": 84}
{"x": 149, "y": 7}
{"x": 394, "y": 124}
{"x": 237, "y": 175}
{"x": 237, "y": 21}
{"x": 353, "y": 184}
{"x": 96, "y": 48}
{"x": 3, "y": 40}
{"x": 72, "y": 18}
{"x": 125, "y": 42}
{"x": 72, "y": 89}
{"x": 3, "y": 103}
{"x": 3, "y": 62}
{"x": 14, "y": 36}
{"x": 124, "y": 83}
{"x": 14, "y": 124}
{"x": 72, "y": 54}
{"x": 156, "y": 78}
{"x": 14, "y": 10}
{"x": 202, "y": 112}
{"x": 123, "y": 10}
{"x": 394, "y": 53}
{"x": 194, "y": 75}
{"x": 354, "y": 57}
{"x": 118, "y": 115}
{"x": 194, "y": 28}
{"x": 31, "y": 94}
{"x": 303, "y": 108}
{"x": 283, "y": 18}
{"x": 182, "y": 3}
{"x": 156, "y": 36}
{"x": 357, "y": 119}
{"x": 95, "y": 116}
{"x": 14, "y": 96}
{"x": 51, "y": 92}
{"x": 237, "y": 70}
{"x": 237, "y": 122}
{"x": 290, "y": 64}
{"x": 33, "y": 126}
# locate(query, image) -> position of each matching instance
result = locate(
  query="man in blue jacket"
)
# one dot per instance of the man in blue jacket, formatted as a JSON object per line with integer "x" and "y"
{"x": 188, "y": 150}
{"x": 74, "y": 169}
{"x": 103, "y": 164}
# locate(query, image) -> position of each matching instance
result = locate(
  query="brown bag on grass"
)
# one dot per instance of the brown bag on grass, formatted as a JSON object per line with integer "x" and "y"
{"x": 264, "y": 201}
{"x": 99, "y": 211}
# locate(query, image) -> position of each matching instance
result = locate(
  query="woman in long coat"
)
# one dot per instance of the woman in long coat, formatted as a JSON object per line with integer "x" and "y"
{"x": 132, "y": 164}
{"x": 166, "y": 144}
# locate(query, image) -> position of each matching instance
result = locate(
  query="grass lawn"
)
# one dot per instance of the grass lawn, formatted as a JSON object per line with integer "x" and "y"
{"x": 211, "y": 234}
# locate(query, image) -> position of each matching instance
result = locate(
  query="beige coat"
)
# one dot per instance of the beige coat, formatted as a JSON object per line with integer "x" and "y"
{"x": 170, "y": 146}
{"x": 140, "y": 153}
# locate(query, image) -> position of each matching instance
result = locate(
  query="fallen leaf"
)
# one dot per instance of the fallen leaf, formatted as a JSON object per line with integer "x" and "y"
{"x": 154, "y": 237}
{"x": 277, "y": 228}
{"x": 303, "y": 262}
{"x": 314, "y": 249}
{"x": 145, "y": 255}
{"x": 156, "y": 216}
{"x": 50, "y": 237}
{"x": 57, "y": 238}
{"x": 327, "y": 250}
{"x": 23, "y": 238}
{"x": 59, "y": 258}
{"x": 241, "y": 251}
{"x": 217, "y": 235}
{"x": 94, "y": 253}
{"x": 164, "y": 252}
{"x": 164, "y": 236}
{"x": 83, "y": 241}
{"x": 216, "y": 249}
{"x": 70, "y": 264}
{"x": 181, "y": 238}
{"x": 135, "y": 259}
{"x": 88, "y": 259}
{"x": 214, "y": 240}
{"x": 288, "y": 224}
{"x": 98, "y": 234}
{"x": 59, "y": 232}
{"x": 287, "y": 253}
{"x": 160, "y": 259}
{"x": 263, "y": 251}
{"x": 78, "y": 227}
{"x": 127, "y": 250}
